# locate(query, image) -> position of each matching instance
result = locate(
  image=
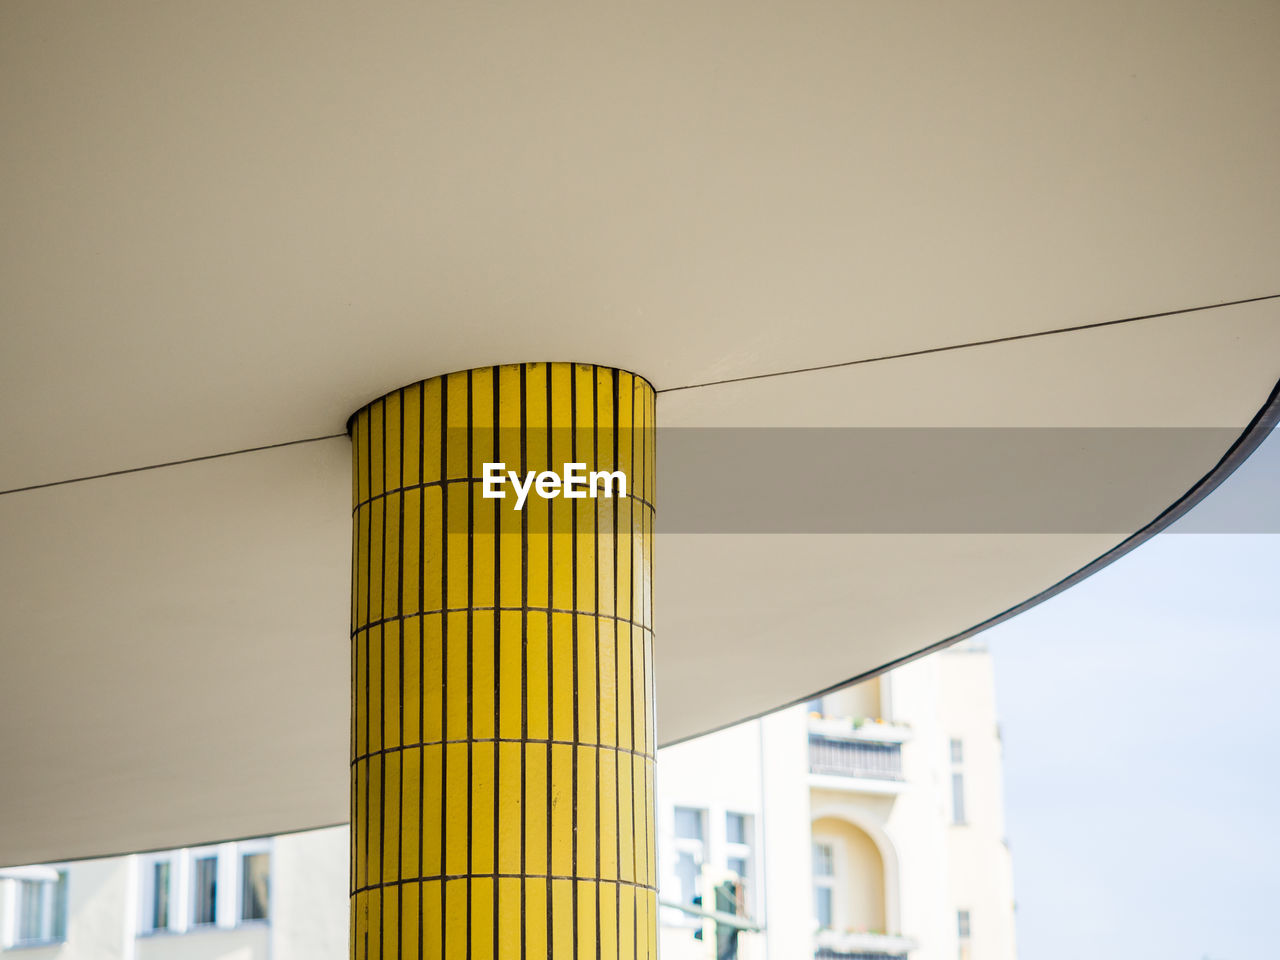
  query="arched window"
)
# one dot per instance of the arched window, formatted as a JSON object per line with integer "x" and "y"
{"x": 848, "y": 878}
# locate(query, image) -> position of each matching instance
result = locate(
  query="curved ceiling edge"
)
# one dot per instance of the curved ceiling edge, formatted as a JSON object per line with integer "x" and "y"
{"x": 1263, "y": 422}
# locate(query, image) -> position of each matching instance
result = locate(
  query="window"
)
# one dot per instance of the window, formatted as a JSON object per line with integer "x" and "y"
{"x": 41, "y": 910}
{"x": 822, "y": 897}
{"x": 957, "y": 782}
{"x": 735, "y": 828}
{"x": 688, "y": 823}
{"x": 689, "y": 850}
{"x": 204, "y": 890}
{"x": 255, "y": 875}
{"x": 738, "y": 834}
{"x": 824, "y": 860}
{"x": 160, "y": 874}
{"x": 159, "y": 910}
{"x": 824, "y": 880}
{"x": 207, "y": 887}
{"x": 30, "y": 911}
{"x": 962, "y": 932}
{"x": 687, "y": 870}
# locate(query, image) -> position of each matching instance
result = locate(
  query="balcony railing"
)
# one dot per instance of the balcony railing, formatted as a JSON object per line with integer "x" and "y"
{"x": 855, "y": 758}
{"x": 861, "y": 946}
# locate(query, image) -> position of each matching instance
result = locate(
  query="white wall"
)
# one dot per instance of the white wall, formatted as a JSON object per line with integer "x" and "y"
{"x": 862, "y": 701}
{"x": 723, "y": 773}
{"x": 210, "y": 943}
{"x": 981, "y": 874}
{"x": 98, "y": 905}
{"x": 308, "y": 909}
{"x": 719, "y": 774}
{"x": 934, "y": 868}
{"x": 788, "y": 849}
{"x": 310, "y": 916}
{"x": 918, "y": 823}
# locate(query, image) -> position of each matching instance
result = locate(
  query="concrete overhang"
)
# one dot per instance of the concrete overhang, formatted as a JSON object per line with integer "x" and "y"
{"x": 228, "y": 226}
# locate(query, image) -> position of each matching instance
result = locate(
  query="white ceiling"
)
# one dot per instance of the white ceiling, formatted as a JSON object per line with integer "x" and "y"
{"x": 175, "y": 634}
{"x": 229, "y": 226}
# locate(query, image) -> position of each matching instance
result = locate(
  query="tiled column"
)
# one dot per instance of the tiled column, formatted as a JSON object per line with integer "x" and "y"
{"x": 502, "y": 683}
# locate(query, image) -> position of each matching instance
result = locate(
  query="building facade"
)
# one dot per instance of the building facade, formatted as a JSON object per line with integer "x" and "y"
{"x": 867, "y": 825}
{"x": 283, "y": 898}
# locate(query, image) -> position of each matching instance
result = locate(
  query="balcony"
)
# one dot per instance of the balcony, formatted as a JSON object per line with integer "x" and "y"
{"x": 864, "y": 729}
{"x": 860, "y": 764}
{"x": 832, "y": 945}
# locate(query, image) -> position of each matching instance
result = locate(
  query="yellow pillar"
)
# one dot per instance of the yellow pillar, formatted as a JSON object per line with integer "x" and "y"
{"x": 502, "y": 682}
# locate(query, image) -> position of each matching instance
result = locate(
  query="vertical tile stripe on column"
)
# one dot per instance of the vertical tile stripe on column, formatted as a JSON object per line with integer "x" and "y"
{"x": 502, "y": 676}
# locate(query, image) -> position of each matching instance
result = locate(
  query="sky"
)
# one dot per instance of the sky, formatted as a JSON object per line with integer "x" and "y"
{"x": 1141, "y": 727}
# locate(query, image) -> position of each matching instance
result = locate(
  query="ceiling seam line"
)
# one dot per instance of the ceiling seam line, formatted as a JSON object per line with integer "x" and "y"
{"x": 171, "y": 463}
{"x": 694, "y": 386}
{"x": 965, "y": 346}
